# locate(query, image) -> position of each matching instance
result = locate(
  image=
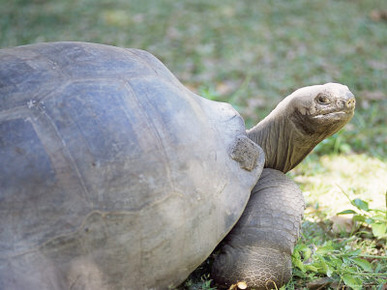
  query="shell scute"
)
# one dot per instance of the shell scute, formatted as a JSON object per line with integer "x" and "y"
{"x": 123, "y": 169}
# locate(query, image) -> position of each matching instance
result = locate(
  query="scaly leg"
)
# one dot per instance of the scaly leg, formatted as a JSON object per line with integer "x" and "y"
{"x": 258, "y": 249}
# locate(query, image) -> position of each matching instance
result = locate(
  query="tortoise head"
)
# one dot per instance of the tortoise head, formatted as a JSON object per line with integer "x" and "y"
{"x": 320, "y": 110}
{"x": 301, "y": 121}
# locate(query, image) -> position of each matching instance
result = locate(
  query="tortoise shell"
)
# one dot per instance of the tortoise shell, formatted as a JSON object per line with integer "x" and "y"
{"x": 113, "y": 173}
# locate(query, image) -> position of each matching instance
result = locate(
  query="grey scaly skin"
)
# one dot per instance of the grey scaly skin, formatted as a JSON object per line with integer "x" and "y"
{"x": 258, "y": 249}
{"x": 300, "y": 122}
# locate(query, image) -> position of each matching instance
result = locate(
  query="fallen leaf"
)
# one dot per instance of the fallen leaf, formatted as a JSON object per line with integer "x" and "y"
{"x": 342, "y": 224}
{"x": 378, "y": 15}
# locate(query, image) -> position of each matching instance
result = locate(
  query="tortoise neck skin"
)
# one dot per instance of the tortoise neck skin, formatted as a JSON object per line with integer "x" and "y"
{"x": 300, "y": 122}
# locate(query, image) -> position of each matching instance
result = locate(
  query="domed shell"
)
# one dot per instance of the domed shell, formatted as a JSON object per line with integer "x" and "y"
{"x": 113, "y": 173}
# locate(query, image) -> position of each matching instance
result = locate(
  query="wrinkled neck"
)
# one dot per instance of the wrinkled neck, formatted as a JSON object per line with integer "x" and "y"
{"x": 284, "y": 145}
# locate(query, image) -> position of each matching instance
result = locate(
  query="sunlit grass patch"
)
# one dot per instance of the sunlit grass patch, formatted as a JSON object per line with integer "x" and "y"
{"x": 329, "y": 180}
{"x": 344, "y": 230}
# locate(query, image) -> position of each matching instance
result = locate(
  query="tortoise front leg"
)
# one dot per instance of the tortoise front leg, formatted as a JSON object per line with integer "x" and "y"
{"x": 258, "y": 249}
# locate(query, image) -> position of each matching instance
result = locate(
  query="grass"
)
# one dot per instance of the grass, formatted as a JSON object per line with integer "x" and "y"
{"x": 344, "y": 229}
{"x": 251, "y": 54}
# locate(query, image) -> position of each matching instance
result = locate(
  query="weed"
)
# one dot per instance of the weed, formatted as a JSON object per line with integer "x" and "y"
{"x": 374, "y": 218}
{"x": 339, "y": 262}
{"x": 345, "y": 260}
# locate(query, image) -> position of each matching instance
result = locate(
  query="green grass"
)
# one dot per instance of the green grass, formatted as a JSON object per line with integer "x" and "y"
{"x": 252, "y": 54}
{"x": 344, "y": 229}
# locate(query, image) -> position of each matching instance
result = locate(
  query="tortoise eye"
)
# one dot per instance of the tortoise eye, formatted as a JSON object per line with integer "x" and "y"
{"x": 323, "y": 99}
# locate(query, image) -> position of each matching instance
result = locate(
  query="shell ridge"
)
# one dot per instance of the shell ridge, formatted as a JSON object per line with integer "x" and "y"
{"x": 50, "y": 148}
{"x": 153, "y": 128}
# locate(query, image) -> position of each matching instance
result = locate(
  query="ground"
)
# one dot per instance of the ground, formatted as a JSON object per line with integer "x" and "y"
{"x": 252, "y": 54}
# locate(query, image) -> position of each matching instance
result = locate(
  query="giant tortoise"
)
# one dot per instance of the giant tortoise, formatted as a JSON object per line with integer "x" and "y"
{"x": 115, "y": 176}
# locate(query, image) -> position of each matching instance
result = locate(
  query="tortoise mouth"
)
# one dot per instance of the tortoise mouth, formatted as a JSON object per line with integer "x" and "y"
{"x": 334, "y": 115}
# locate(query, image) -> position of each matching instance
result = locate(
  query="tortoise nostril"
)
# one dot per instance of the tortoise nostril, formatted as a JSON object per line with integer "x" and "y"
{"x": 350, "y": 103}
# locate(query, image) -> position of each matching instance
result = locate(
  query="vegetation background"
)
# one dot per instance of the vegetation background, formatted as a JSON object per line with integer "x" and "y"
{"x": 252, "y": 54}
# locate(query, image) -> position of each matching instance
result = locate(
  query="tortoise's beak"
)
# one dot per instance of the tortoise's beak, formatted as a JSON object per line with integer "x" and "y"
{"x": 350, "y": 102}
{"x": 347, "y": 102}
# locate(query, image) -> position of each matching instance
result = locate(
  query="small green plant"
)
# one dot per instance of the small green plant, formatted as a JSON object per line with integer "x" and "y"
{"x": 340, "y": 263}
{"x": 195, "y": 284}
{"x": 346, "y": 260}
{"x": 337, "y": 260}
{"x": 374, "y": 218}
